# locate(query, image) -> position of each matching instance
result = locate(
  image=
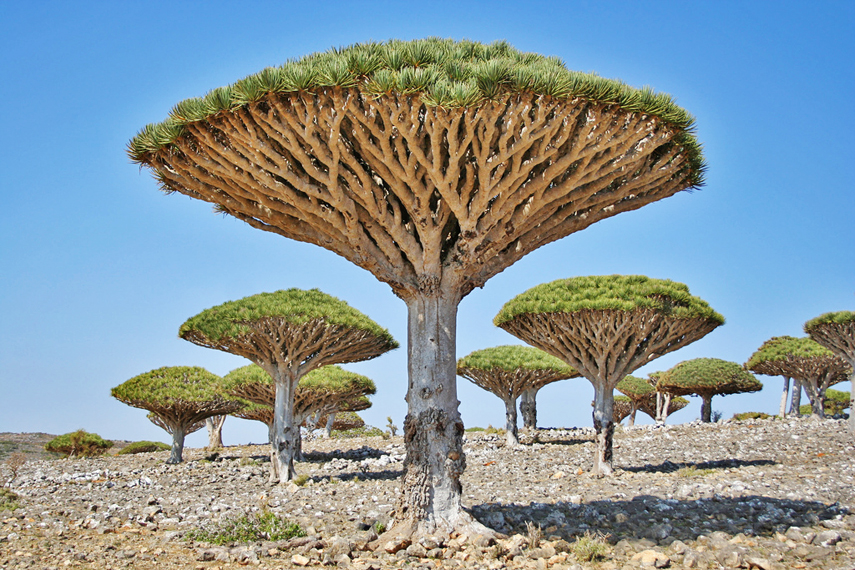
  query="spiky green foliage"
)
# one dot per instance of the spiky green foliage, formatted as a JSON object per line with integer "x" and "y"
{"x": 248, "y": 528}
{"x": 79, "y": 443}
{"x": 705, "y": 376}
{"x": 839, "y": 317}
{"x": 296, "y": 306}
{"x": 441, "y": 72}
{"x": 169, "y": 386}
{"x": 609, "y": 292}
{"x": 635, "y": 387}
{"x": 782, "y": 348}
{"x": 143, "y": 447}
{"x": 514, "y": 357}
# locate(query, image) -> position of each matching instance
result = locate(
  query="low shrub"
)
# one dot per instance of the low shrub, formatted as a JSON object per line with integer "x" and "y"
{"x": 79, "y": 443}
{"x": 590, "y": 547}
{"x": 365, "y": 431}
{"x": 8, "y": 500}
{"x": 248, "y": 528}
{"x": 751, "y": 416}
{"x": 143, "y": 447}
{"x": 473, "y": 429}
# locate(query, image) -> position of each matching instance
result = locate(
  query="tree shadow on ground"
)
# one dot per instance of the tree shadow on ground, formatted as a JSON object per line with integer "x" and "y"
{"x": 670, "y": 466}
{"x": 385, "y": 475}
{"x": 660, "y": 521}
{"x": 358, "y": 454}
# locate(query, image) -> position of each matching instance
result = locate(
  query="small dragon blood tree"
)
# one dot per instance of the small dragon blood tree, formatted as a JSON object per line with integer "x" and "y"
{"x": 434, "y": 164}
{"x": 179, "y": 397}
{"x": 321, "y": 389}
{"x": 507, "y": 371}
{"x": 813, "y": 366}
{"x": 708, "y": 377}
{"x": 836, "y": 332}
{"x": 660, "y": 412}
{"x": 638, "y": 391}
{"x": 606, "y": 327}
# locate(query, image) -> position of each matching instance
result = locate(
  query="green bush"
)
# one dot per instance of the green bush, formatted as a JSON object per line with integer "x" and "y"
{"x": 144, "y": 447}
{"x": 751, "y": 416}
{"x": 474, "y": 429}
{"x": 590, "y": 547}
{"x": 836, "y": 402}
{"x": 248, "y": 528}
{"x": 364, "y": 431}
{"x": 79, "y": 444}
{"x": 8, "y": 500}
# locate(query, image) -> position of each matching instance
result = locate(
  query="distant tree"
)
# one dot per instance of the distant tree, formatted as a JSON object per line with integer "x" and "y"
{"x": 79, "y": 443}
{"x": 214, "y": 425}
{"x": 167, "y": 426}
{"x": 507, "y": 371}
{"x": 638, "y": 391}
{"x": 815, "y": 366}
{"x": 836, "y": 402}
{"x": 708, "y": 377}
{"x": 661, "y": 413}
{"x": 836, "y": 332}
{"x": 528, "y": 408}
{"x": 435, "y": 165}
{"x": 317, "y": 390}
{"x": 606, "y": 327}
{"x": 622, "y": 407}
{"x": 179, "y": 397}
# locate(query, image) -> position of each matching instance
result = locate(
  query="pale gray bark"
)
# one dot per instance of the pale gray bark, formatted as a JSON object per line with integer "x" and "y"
{"x": 706, "y": 408}
{"x": 796, "y": 398}
{"x": 631, "y": 420}
{"x": 528, "y": 408}
{"x": 329, "y": 426}
{"x": 283, "y": 427}
{"x": 816, "y": 395}
{"x": 215, "y": 431}
{"x": 783, "y": 408}
{"x": 666, "y": 405}
{"x": 604, "y": 427}
{"x": 511, "y": 435}
{"x": 176, "y": 455}
{"x": 852, "y": 398}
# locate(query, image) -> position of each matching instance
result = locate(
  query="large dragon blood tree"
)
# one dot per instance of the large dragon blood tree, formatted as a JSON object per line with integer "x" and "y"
{"x": 433, "y": 164}
{"x": 606, "y": 327}
{"x": 288, "y": 334}
{"x": 812, "y": 365}
{"x": 708, "y": 377}
{"x": 836, "y": 332}
{"x": 178, "y": 398}
{"x": 507, "y": 371}
{"x": 319, "y": 391}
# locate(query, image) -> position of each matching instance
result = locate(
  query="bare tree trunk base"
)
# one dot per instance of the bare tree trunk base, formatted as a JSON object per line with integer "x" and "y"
{"x": 462, "y": 524}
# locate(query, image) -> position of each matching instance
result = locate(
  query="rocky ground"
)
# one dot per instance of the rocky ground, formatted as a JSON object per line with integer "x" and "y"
{"x": 767, "y": 494}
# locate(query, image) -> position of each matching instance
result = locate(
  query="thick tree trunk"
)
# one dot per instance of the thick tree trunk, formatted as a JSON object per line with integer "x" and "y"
{"x": 604, "y": 426}
{"x": 214, "y": 424}
{"x": 430, "y": 500}
{"x": 274, "y": 465}
{"x": 852, "y": 399}
{"x": 528, "y": 408}
{"x": 511, "y": 437}
{"x": 631, "y": 420}
{"x": 706, "y": 408}
{"x": 796, "y": 398}
{"x": 284, "y": 443}
{"x": 176, "y": 455}
{"x": 816, "y": 397}
{"x": 328, "y": 427}
{"x": 783, "y": 409}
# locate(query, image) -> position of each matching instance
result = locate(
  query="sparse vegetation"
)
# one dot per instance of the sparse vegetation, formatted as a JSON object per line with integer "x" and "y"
{"x": 534, "y": 533}
{"x": 79, "y": 443}
{"x": 143, "y": 447}
{"x": 301, "y": 480}
{"x": 10, "y": 468}
{"x": 393, "y": 429}
{"x": 248, "y": 528}
{"x": 590, "y": 547}
{"x": 751, "y": 416}
{"x": 8, "y": 500}
{"x": 364, "y": 431}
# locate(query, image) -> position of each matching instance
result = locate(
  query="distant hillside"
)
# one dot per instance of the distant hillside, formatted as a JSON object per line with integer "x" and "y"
{"x": 33, "y": 445}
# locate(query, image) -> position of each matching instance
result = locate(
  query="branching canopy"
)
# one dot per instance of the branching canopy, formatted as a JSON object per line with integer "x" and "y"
{"x": 608, "y": 326}
{"x": 302, "y": 329}
{"x": 409, "y": 158}
{"x": 507, "y": 371}
{"x": 708, "y": 377}
{"x": 648, "y": 406}
{"x": 801, "y": 358}
{"x": 835, "y": 331}
{"x": 177, "y": 395}
{"x": 636, "y": 388}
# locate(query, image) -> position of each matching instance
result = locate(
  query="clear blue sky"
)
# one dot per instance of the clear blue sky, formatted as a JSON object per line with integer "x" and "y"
{"x": 99, "y": 269}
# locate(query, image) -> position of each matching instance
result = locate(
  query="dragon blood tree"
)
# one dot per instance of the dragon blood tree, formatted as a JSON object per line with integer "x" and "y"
{"x": 179, "y": 398}
{"x": 660, "y": 413}
{"x": 433, "y": 164}
{"x": 167, "y": 427}
{"x": 836, "y": 332}
{"x": 606, "y": 327}
{"x": 507, "y": 371}
{"x": 812, "y": 365}
{"x": 708, "y": 377}
{"x": 638, "y": 391}
{"x": 316, "y": 390}
{"x": 622, "y": 407}
{"x": 214, "y": 425}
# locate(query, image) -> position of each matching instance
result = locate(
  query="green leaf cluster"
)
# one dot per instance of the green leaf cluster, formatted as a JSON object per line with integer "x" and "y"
{"x": 839, "y": 317}
{"x": 635, "y": 387}
{"x": 79, "y": 443}
{"x": 442, "y": 72}
{"x": 608, "y": 292}
{"x": 783, "y": 347}
{"x": 170, "y": 385}
{"x": 296, "y": 306}
{"x": 326, "y": 378}
{"x": 708, "y": 376}
{"x": 515, "y": 357}
{"x": 143, "y": 447}
{"x": 244, "y": 529}
{"x": 8, "y": 500}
